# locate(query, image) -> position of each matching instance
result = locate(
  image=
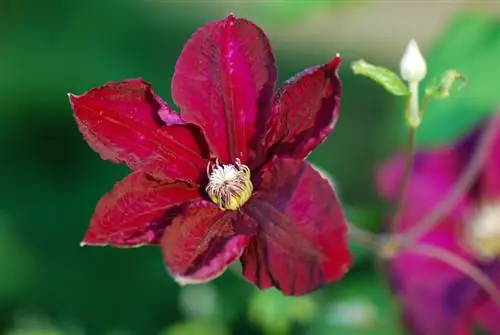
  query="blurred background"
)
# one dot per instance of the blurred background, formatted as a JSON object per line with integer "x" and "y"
{"x": 50, "y": 180}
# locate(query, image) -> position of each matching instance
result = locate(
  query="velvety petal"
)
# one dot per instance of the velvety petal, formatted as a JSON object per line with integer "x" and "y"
{"x": 429, "y": 290}
{"x": 202, "y": 241}
{"x": 304, "y": 111}
{"x": 223, "y": 82}
{"x": 438, "y": 299}
{"x": 301, "y": 243}
{"x": 136, "y": 211}
{"x": 491, "y": 177}
{"x": 123, "y": 122}
{"x": 485, "y": 311}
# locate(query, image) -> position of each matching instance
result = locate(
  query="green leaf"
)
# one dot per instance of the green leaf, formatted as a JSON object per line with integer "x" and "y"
{"x": 439, "y": 88}
{"x": 470, "y": 44}
{"x": 382, "y": 76}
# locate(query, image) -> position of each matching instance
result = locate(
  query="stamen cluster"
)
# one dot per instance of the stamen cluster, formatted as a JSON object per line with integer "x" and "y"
{"x": 229, "y": 185}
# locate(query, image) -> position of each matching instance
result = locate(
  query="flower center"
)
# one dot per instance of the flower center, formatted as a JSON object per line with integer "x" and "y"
{"x": 229, "y": 186}
{"x": 483, "y": 235}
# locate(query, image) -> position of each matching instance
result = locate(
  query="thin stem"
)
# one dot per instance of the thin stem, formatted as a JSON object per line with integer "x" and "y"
{"x": 463, "y": 184}
{"x": 410, "y": 153}
{"x": 363, "y": 237}
{"x": 460, "y": 264}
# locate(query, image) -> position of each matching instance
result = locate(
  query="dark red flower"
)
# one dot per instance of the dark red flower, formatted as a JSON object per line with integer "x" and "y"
{"x": 227, "y": 177}
{"x": 436, "y": 297}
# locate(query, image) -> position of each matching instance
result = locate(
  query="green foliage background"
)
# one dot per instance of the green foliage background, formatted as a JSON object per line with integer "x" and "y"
{"x": 50, "y": 180}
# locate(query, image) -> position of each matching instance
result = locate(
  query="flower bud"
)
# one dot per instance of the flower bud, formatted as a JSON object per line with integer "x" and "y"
{"x": 413, "y": 67}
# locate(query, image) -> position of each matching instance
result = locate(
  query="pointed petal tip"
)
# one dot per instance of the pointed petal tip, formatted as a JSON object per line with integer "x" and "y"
{"x": 336, "y": 61}
{"x": 230, "y": 19}
{"x": 91, "y": 242}
{"x": 72, "y": 97}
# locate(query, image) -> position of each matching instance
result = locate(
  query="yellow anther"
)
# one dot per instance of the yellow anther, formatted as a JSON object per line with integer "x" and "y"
{"x": 230, "y": 185}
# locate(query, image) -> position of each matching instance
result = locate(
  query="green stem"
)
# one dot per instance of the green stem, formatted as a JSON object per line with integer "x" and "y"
{"x": 414, "y": 111}
{"x": 409, "y": 154}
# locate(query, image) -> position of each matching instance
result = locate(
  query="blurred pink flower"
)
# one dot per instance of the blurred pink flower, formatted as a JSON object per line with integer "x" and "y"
{"x": 437, "y": 298}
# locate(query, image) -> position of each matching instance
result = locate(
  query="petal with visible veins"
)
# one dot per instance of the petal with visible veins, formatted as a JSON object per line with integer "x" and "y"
{"x": 301, "y": 244}
{"x": 136, "y": 211}
{"x": 223, "y": 82}
{"x": 202, "y": 241}
{"x": 304, "y": 112}
{"x": 121, "y": 121}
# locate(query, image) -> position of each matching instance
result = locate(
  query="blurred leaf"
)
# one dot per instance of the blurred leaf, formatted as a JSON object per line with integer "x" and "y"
{"x": 199, "y": 300}
{"x": 389, "y": 80}
{"x": 275, "y": 313}
{"x": 470, "y": 44}
{"x": 440, "y": 88}
{"x": 196, "y": 327}
{"x": 363, "y": 306}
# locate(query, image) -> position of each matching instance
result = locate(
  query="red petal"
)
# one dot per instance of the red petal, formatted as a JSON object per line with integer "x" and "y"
{"x": 121, "y": 121}
{"x": 301, "y": 244}
{"x": 136, "y": 211}
{"x": 305, "y": 111}
{"x": 223, "y": 82}
{"x": 201, "y": 242}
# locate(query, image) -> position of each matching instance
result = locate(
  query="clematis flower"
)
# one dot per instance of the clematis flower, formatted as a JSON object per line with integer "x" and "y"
{"x": 226, "y": 178}
{"x": 436, "y": 297}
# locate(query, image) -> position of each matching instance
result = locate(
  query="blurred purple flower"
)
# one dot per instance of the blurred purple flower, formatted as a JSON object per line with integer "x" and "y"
{"x": 437, "y": 298}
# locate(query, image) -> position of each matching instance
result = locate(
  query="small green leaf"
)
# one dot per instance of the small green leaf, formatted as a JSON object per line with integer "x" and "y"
{"x": 381, "y": 75}
{"x": 440, "y": 87}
